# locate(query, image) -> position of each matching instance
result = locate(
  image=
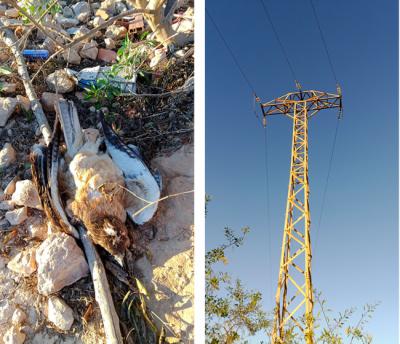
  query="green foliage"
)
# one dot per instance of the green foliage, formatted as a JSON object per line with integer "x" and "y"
{"x": 143, "y": 330}
{"x": 131, "y": 57}
{"x": 346, "y": 327}
{"x": 103, "y": 91}
{"x": 143, "y": 35}
{"x": 339, "y": 330}
{"x": 29, "y": 115}
{"x": 235, "y": 312}
{"x": 37, "y": 8}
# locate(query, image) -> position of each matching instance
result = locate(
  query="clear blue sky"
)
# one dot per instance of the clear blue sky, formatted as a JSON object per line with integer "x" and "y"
{"x": 356, "y": 256}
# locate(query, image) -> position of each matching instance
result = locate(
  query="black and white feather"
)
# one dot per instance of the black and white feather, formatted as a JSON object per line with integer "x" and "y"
{"x": 144, "y": 186}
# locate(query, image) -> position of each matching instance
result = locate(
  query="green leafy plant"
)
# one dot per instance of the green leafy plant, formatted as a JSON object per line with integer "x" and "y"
{"x": 29, "y": 115}
{"x": 136, "y": 312}
{"x": 131, "y": 57}
{"x": 144, "y": 330}
{"x": 103, "y": 90}
{"x": 143, "y": 35}
{"x": 346, "y": 327}
{"x": 131, "y": 60}
{"x": 37, "y": 8}
{"x": 232, "y": 312}
{"x": 339, "y": 329}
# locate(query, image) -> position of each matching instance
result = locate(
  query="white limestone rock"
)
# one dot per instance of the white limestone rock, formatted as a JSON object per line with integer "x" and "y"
{"x": 108, "y": 6}
{"x": 115, "y": 32}
{"x": 59, "y": 313}
{"x": 72, "y": 56}
{"x": 26, "y": 194}
{"x": 89, "y": 51}
{"x": 7, "y": 205}
{"x": 110, "y": 43}
{"x": 7, "y": 155}
{"x": 60, "y": 263}
{"x": 82, "y": 11}
{"x": 24, "y": 263}
{"x": 61, "y": 80}
{"x": 7, "y": 107}
{"x": 11, "y": 13}
{"x": 6, "y": 311}
{"x": 65, "y": 22}
{"x": 37, "y": 230}
{"x": 8, "y": 88}
{"x": 159, "y": 56}
{"x": 97, "y": 21}
{"x": 17, "y": 216}
{"x": 68, "y": 12}
{"x": 83, "y": 30}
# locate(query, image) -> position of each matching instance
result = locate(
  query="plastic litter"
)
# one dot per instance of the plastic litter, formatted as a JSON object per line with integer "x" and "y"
{"x": 88, "y": 77}
{"x": 35, "y": 54}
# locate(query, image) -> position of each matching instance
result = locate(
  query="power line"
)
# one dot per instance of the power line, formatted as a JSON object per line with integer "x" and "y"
{"x": 268, "y": 16}
{"x": 231, "y": 53}
{"x": 318, "y": 229}
{"x": 325, "y": 45}
{"x": 324, "y": 42}
{"x": 267, "y": 204}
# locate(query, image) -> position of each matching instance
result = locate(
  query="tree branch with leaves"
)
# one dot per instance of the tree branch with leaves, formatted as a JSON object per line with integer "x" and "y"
{"x": 232, "y": 312}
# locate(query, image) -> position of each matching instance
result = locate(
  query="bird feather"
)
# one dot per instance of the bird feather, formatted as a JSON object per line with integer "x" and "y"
{"x": 139, "y": 179}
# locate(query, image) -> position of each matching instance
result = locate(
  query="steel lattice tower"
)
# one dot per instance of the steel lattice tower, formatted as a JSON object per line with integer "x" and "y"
{"x": 294, "y": 296}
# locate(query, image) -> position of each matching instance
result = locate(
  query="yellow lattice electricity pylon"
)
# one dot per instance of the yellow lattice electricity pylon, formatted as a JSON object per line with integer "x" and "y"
{"x": 294, "y": 296}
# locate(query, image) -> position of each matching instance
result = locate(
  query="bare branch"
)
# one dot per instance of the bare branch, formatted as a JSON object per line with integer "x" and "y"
{"x": 33, "y": 20}
{"x": 8, "y": 37}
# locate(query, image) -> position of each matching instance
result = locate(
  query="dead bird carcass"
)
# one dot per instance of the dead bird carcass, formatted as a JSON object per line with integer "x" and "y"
{"x": 103, "y": 186}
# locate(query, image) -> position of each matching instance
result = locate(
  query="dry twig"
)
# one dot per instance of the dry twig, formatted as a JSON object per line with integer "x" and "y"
{"x": 8, "y": 37}
{"x": 33, "y": 20}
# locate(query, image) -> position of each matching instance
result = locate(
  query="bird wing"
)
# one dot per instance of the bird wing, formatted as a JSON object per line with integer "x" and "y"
{"x": 68, "y": 115}
{"x": 139, "y": 179}
{"x": 53, "y": 182}
{"x": 45, "y": 163}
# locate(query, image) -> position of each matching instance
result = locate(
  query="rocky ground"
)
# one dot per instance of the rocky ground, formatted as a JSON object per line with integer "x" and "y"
{"x": 46, "y": 292}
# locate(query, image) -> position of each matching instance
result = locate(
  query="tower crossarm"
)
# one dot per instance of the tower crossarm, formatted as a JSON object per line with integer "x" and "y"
{"x": 314, "y": 100}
